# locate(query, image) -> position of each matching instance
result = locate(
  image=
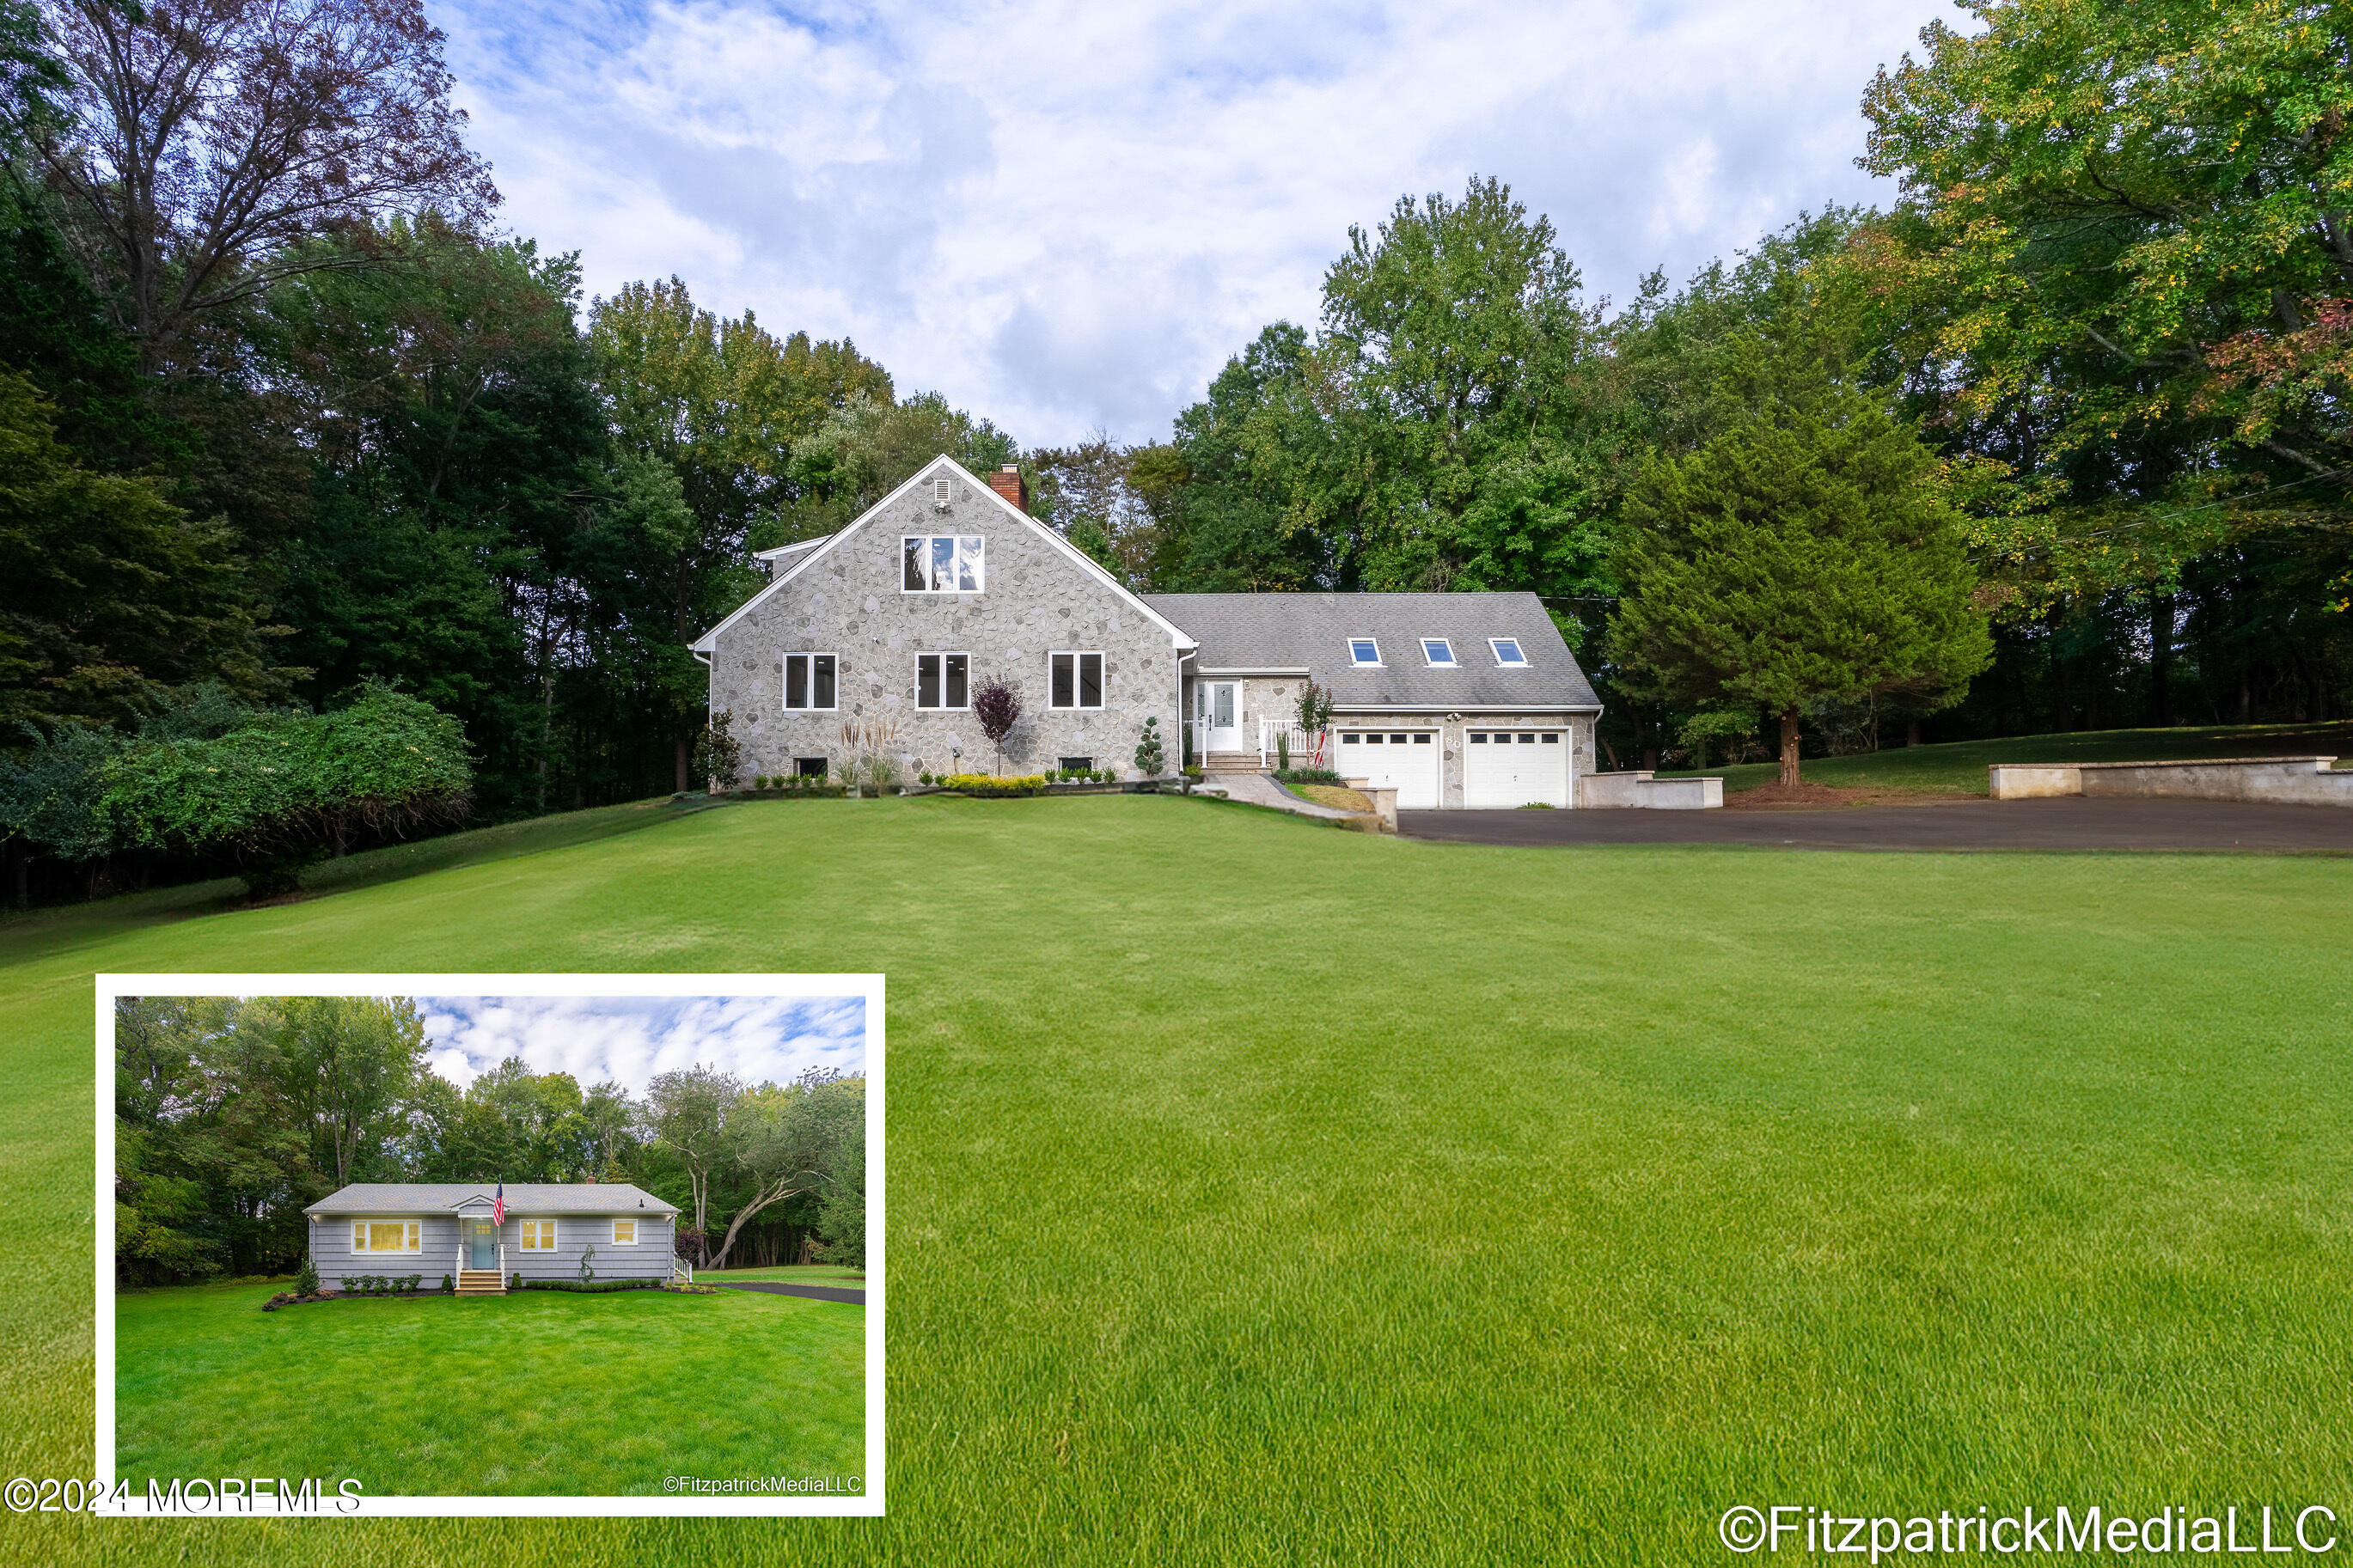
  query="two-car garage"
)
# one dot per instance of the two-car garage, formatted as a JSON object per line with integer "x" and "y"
{"x": 1500, "y": 768}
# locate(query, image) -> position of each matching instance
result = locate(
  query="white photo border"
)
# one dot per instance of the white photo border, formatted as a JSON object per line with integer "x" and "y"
{"x": 867, "y": 1503}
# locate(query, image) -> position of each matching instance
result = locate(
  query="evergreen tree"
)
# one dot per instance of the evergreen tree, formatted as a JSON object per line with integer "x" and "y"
{"x": 1807, "y": 553}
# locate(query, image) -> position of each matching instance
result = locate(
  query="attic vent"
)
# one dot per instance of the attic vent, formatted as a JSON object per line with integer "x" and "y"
{"x": 940, "y": 492}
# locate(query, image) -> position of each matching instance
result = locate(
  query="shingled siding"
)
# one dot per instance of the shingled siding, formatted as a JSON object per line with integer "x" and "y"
{"x": 332, "y": 1254}
{"x": 1035, "y": 600}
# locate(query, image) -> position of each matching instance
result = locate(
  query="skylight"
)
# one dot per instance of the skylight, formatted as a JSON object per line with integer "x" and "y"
{"x": 1507, "y": 650}
{"x": 1364, "y": 650}
{"x": 1438, "y": 651}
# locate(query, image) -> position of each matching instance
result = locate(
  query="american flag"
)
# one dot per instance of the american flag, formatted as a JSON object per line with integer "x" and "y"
{"x": 499, "y": 1204}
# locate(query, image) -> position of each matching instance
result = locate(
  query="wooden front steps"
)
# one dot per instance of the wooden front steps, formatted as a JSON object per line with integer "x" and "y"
{"x": 480, "y": 1282}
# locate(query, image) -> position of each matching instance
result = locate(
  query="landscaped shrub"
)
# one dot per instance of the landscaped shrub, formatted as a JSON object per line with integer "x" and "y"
{"x": 346, "y": 1282}
{"x": 517, "y": 1283}
{"x": 412, "y": 1282}
{"x": 1149, "y": 757}
{"x": 448, "y": 1285}
{"x": 990, "y": 785}
{"x": 306, "y": 1283}
{"x": 591, "y": 1286}
{"x": 1308, "y": 775}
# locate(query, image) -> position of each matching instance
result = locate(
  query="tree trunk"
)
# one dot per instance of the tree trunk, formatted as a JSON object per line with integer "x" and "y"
{"x": 743, "y": 1215}
{"x": 1790, "y": 747}
{"x": 685, "y": 746}
{"x": 1912, "y": 732}
{"x": 2160, "y": 661}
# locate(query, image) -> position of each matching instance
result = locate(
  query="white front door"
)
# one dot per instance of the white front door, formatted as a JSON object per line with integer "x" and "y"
{"x": 1223, "y": 707}
{"x": 1505, "y": 768}
{"x": 1403, "y": 760}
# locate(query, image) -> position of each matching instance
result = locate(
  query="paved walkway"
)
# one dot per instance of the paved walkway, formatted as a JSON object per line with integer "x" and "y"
{"x": 1258, "y": 789}
{"x": 2066, "y": 823}
{"x": 778, "y": 1288}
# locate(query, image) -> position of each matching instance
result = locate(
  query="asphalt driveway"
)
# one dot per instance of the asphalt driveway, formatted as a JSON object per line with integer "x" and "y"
{"x": 2066, "y": 823}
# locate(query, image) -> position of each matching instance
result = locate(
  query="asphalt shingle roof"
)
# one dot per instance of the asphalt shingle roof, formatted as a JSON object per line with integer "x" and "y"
{"x": 522, "y": 1197}
{"x": 1310, "y": 631}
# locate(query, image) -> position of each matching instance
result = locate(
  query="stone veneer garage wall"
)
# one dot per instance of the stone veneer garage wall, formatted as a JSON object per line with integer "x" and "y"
{"x": 1035, "y": 600}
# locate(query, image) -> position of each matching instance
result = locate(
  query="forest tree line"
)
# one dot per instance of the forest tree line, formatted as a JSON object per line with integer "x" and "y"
{"x": 286, "y": 415}
{"x": 232, "y": 1115}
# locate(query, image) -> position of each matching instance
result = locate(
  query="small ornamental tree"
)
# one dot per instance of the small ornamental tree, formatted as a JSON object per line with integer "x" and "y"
{"x": 998, "y": 707}
{"x": 1315, "y": 716}
{"x": 1149, "y": 757}
{"x": 306, "y": 1283}
{"x": 718, "y": 755}
{"x": 1806, "y": 554}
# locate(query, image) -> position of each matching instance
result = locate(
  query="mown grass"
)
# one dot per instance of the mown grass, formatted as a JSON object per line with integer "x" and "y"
{"x": 789, "y": 1273}
{"x": 1959, "y": 767}
{"x": 542, "y": 1392}
{"x": 1262, "y": 1193}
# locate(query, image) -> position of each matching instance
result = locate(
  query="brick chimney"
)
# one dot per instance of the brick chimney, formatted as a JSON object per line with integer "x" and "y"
{"x": 1006, "y": 482}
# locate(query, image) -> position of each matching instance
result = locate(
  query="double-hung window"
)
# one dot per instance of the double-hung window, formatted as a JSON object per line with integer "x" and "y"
{"x": 941, "y": 563}
{"x": 1078, "y": 681}
{"x": 1364, "y": 651}
{"x": 538, "y": 1235}
{"x": 1438, "y": 652}
{"x": 943, "y": 680}
{"x": 386, "y": 1236}
{"x": 1507, "y": 650}
{"x": 625, "y": 1233}
{"x": 810, "y": 681}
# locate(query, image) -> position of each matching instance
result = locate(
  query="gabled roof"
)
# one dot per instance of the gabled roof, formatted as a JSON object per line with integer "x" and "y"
{"x": 522, "y": 1197}
{"x": 789, "y": 567}
{"x": 1292, "y": 632}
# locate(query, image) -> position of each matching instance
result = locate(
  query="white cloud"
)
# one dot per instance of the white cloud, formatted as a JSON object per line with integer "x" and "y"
{"x": 629, "y": 1040}
{"x": 1067, "y": 215}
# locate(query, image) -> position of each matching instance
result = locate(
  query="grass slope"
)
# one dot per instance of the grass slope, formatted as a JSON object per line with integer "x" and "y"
{"x": 789, "y": 1273}
{"x": 586, "y": 1395}
{"x": 1959, "y": 767}
{"x": 1264, "y": 1194}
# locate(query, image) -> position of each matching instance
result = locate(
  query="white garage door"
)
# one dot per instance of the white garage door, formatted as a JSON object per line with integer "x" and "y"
{"x": 1513, "y": 767}
{"x": 1403, "y": 760}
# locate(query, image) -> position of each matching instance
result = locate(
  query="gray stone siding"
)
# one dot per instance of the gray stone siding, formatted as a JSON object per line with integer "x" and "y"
{"x": 1034, "y": 600}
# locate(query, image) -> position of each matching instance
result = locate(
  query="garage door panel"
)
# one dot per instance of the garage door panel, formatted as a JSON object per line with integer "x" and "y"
{"x": 1403, "y": 760}
{"x": 1507, "y": 768}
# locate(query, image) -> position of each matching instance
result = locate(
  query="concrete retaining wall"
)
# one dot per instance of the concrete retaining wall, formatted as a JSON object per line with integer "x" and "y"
{"x": 1641, "y": 790}
{"x": 2298, "y": 781}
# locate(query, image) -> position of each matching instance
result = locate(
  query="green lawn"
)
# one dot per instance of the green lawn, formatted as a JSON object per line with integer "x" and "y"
{"x": 1960, "y": 768}
{"x": 542, "y": 1393}
{"x": 1262, "y": 1194}
{"x": 789, "y": 1273}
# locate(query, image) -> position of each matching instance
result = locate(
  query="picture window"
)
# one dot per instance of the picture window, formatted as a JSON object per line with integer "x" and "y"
{"x": 386, "y": 1236}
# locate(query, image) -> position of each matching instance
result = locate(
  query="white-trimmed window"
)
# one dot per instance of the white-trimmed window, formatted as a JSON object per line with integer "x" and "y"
{"x": 812, "y": 680}
{"x": 535, "y": 1235}
{"x": 398, "y": 1236}
{"x": 1076, "y": 681}
{"x": 1364, "y": 651}
{"x": 941, "y": 563}
{"x": 625, "y": 1233}
{"x": 943, "y": 680}
{"x": 1438, "y": 652}
{"x": 1507, "y": 650}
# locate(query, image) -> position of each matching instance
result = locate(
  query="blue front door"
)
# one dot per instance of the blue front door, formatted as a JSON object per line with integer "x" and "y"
{"x": 482, "y": 1243}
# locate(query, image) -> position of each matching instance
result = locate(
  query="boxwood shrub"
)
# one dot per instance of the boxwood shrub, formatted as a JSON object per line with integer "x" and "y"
{"x": 592, "y": 1286}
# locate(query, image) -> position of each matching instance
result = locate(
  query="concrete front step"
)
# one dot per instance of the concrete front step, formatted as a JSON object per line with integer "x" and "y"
{"x": 1232, "y": 763}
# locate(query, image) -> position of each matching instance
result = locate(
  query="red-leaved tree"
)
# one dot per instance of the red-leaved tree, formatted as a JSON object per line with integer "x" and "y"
{"x": 199, "y": 142}
{"x": 998, "y": 707}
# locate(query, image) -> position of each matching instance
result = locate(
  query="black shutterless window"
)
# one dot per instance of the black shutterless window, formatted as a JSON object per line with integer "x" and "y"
{"x": 1077, "y": 680}
{"x": 809, "y": 679}
{"x": 943, "y": 680}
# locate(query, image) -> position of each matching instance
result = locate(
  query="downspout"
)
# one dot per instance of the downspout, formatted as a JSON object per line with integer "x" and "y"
{"x": 1184, "y": 715}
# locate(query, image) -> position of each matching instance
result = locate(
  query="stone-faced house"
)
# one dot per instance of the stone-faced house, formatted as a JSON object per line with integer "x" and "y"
{"x": 1456, "y": 699}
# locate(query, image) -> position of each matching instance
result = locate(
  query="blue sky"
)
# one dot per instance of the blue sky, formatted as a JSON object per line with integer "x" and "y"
{"x": 630, "y": 1039}
{"x": 1066, "y": 216}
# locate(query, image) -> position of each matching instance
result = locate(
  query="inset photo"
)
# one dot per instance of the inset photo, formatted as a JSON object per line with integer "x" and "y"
{"x": 441, "y": 1243}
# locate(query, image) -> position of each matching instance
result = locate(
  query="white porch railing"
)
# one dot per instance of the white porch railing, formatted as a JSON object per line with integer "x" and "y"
{"x": 680, "y": 1270}
{"x": 502, "y": 1262}
{"x": 1270, "y": 744}
{"x": 459, "y": 1273}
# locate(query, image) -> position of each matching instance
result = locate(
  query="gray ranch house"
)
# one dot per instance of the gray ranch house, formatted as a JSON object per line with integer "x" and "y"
{"x": 445, "y": 1227}
{"x": 1452, "y": 700}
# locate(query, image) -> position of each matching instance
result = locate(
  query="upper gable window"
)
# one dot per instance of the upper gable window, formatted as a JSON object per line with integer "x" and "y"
{"x": 1364, "y": 650}
{"x": 1507, "y": 650}
{"x": 1438, "y": 651}
{"x": 941, "y": 563}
